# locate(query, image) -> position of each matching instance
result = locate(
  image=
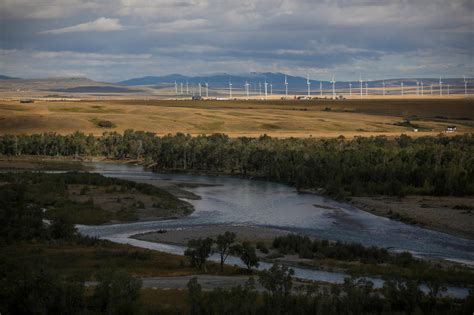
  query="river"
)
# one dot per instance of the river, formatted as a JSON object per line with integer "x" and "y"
{"x": 229, "y": 200}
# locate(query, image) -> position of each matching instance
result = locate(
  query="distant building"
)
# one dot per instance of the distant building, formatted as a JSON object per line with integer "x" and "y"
{"x": 451, "y": 129}
{"x": 26, "y": 101}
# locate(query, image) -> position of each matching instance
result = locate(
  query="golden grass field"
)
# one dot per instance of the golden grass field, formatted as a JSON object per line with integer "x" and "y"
{"x": 289, "y": 118}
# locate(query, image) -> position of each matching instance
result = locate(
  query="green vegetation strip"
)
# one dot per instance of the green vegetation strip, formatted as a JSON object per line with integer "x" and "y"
{"x": 442, "y": 165}
{"x": 51, "y": 192}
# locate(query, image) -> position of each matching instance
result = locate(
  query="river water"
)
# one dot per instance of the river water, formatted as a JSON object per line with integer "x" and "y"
{"x": 228, "y": 200}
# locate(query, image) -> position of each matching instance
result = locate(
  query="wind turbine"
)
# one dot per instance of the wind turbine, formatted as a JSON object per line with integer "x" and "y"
{"x": 175, "y": 88}
{"x": 465, "y": 86}
{"x": 207, "y": 89}
{"x": 333, "y": 82}
{"x": 383, "y": 91}
{"x": 266, "y": 89}
{"x": 200, "y": 94}
{"x": 360, "y": 81}
{"x": 422, "y": 89}
{"x": 230, "y": 89}
{"x": 440, "y": 86}
{"x": 286, "y": 87}
{"x": 187, "y": 88}
{"x": 260, "y": 89}
{"x": 366, "y": 88}
{"x": 401, "y": 84}
{"x": 271, "y": 89}
{"x": 309, "y": 85}
{"x": 181, "y": 88}
{"x": 321, "y": 89}
{"x": 350, "y": 88}
{"x": 417, "y": 88}
{"x": 247, "y": 89}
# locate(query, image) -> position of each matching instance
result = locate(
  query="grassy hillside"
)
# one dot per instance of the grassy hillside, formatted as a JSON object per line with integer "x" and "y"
{"x": 317, "y": 118}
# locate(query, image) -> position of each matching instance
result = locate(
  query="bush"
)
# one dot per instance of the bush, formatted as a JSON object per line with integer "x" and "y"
{"x": 262, "y": 247}
{"x": 105, "y": 124}
{"x": 117, "y": 293}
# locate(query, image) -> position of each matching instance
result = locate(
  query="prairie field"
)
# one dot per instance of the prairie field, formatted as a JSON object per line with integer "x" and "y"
{"x": 278, "y": 118}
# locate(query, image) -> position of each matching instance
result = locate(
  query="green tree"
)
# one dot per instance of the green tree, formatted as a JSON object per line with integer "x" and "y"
{"x": 198, "y": 251}
{"x": 247, "y": 254}
{"x": 117, "y": 292}
{"x": 61, "y": 228}
{"x": 278, "y": 279}
{"x": 195, "y": 297}
{"x": 224, "y": 246}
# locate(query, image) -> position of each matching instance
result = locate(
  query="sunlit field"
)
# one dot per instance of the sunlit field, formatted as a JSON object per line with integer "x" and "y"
{"x": 279, "y": 118}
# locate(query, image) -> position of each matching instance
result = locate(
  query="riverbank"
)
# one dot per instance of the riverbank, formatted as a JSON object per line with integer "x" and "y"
{"x": 447, "y": 214}
{"x": 181, "y": 236}
{"x": 94, "y": 199}
{"x": 331, "y": 257}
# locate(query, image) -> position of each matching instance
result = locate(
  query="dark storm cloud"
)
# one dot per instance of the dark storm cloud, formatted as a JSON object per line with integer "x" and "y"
{"x": 114, "y": 40}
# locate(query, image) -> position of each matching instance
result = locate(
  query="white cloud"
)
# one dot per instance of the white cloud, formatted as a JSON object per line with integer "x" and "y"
{"x": 45, "y": 9}
{"x": 188, "y": 25}
{"x": 102, "y": 24}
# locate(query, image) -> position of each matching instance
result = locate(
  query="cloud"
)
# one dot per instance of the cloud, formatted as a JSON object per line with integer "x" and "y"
{"x": 376, "y": 37}
{"x": 188, "y": 25}
{"x": 102, "y": 24}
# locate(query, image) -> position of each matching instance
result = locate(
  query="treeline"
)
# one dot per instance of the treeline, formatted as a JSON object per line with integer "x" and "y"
{"x": 339, "y": 167}
{"x": 35, "y": 287}
{"x": 353, "y": 297}
{"x": 307, "y": 248}
{"x": 199, "y": 250}
{"x": 372, "y": 260}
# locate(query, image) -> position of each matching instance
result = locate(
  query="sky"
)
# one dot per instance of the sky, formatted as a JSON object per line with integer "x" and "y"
{"x": 113, "y": 40}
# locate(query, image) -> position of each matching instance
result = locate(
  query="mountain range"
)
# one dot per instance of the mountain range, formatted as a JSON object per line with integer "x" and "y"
{"x": 276, "y": 79}
{"x": 216, "y": 81}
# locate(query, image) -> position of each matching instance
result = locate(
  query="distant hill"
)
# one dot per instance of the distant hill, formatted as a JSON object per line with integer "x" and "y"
{"x": 216, "y": 79}
{"x": 65, "y": 85}
{"x": 96, "y": 89}
{"x": 277, "y": 80}
{"x": 4, "y": 77}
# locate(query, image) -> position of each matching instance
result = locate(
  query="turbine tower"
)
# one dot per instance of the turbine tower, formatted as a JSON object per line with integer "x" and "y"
{"x": 465, "y": 86}
{"x": 366, "y": 88}
{"x": 333, "y": 82}
{"x": 360, "y": 81}
{"x": 247, "y": 89}
{"x": 181, "y": 88}
{"x": 417, "y": 88}
{"x": 200, "y": 94}
{"x": 230, "y": 89}
{"x": 350, "y": 88}
{"x": 422, "y": 88}
{"x": 266, "y": 89}
{"x": 286, "y": 87}
{"x": 271, "y": 89}
{"x": 187, "y": 88}
{"x": 383, "y": 91}
{"x": 175, "y": 88}
{"x": 207, "y": 89}
{"x": 309, "y": 85}
{"x": 440, "y": 86}
{"x": 321, "y": 89}
{"x": 260, "y": 89}
{"x": 401, "y": 84}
